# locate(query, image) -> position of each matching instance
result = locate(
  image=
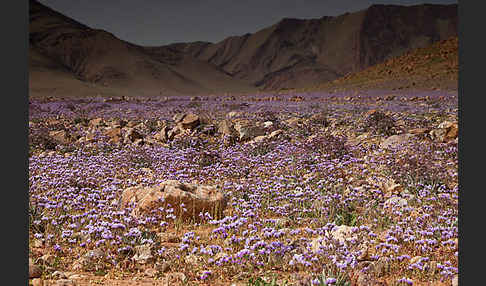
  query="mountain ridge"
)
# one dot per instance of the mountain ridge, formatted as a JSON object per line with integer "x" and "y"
{"x": 292, "y": 53}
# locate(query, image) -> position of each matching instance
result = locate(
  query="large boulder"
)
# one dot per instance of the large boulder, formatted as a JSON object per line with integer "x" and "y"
{"x": 195, "y": 199}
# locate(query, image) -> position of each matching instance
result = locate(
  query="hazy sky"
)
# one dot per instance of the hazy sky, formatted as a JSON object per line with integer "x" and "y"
{"x": 160, "y": 22}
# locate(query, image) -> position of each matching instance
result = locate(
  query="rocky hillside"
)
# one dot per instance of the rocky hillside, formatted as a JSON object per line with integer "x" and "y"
{"x": 94, "y": 56}
{"x": 298, "y": 53}
{"x": 432, "y": 67}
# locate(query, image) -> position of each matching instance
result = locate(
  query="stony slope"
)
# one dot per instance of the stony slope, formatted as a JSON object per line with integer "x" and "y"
{"x": 432, "y": 67}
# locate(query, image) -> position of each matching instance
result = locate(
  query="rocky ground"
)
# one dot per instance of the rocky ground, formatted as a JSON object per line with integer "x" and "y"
{"x": 273, "y": 189}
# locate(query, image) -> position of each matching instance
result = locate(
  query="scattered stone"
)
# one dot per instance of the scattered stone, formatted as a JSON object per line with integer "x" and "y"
{"x": 162, "y": 135}
{"x": 58, "y": 275}
{"x": 293, "y": 122}
{"x": 60, "y": 136}
{"x": 114, "y": 133}
{"x": 64, "y": 282}
{"x": 267, "y": 124}
{"x": 190, "y": 121}
{"x": 171, "y": 134}
{"x": 395, "y": 141}
{"x": 75, "y": 276}
{"x": 248, "y": 131}
{"x": 143, "y": 253}
{"x": 132, "y": 135}
{"x": 38, "y": 243}
{"x": 35, "y": 271}
{"x": 37, "y": 282}
{"x": 196, "y": 199}
{"x": 395, "y": 201}
{"x": 163, "y": 266}
{"x": 419, "y": 131}
{"x": 275, "y": 133}
{"x": 178, "y": 117}
{"x": 381, "y": 267}
{"x": 342, "y": 233}
{"x": 168, "y": 237}
{"x": 446, "y": 131}
{"x": 391, "y": 188}
{"x": 150, "y": 272}
{"x": 226, "y": 128}
{"x": 176, "y": 278}
{"x": 191, "y": 259}
{"x": 455, "y": 280}
{"x": 96, "y": 122}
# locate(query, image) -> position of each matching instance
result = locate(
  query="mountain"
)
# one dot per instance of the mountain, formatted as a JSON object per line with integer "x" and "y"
{"x": 65, "y": 55}
{"x": 297, "y": 53}
{"x": 69, "y": 58}
{"x": 431, "y": 67}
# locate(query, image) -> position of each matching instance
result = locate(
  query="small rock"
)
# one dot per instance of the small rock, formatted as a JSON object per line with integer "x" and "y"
{"x": 342, "y": 233}
{"x": 38, "y": 243}
{"x": 395, "y": 201}
{"x": 191, "y": 259}
{"x": 150, "y": 272}
{"x": 35, "y": 271}
{"x": 75, "y": 276}
{"x": 64, "y": 282}
{"x": 415, "y": 259}
{"x": 162, "y": 266}
{"x": 267, "y": 124}
{"x": 60, "y": 136}
{"x": 176, "y": 278}
{"x": 226, "y": 127}
{"x": 275, "y": 133}
{"x": 168, "y": 237}
{"x": 455, "y": 281}
{"x": 114, "y": 133}
{"x": 248, "y": 131}
{"x": 58, "y": 275}
{"x": 395, "y": 140}
{"x": 391, "y": 188}
{"x": 96, "y": 122}
{"x": 419, "y": 131}
{"x": 37, "y": 282}
{"x": 381, "y": 267}
{"x": 143, "y": 253}
{"x": 131, "y": 135}
{"x": 190, "y": 121}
